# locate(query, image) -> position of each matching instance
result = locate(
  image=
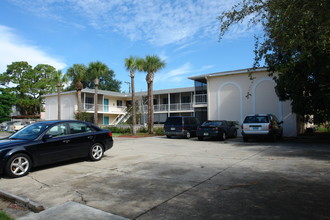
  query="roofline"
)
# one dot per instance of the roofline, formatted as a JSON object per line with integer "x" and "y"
{"x": 225, "y": 73}
{"x": 125, "y": 95}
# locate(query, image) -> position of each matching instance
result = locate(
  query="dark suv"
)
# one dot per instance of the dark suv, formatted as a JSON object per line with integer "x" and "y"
{"x": 184, "y": 126}
{"x": 261, "y": 125}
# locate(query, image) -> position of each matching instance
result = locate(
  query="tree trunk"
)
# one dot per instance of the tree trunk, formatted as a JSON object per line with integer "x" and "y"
{"x": 96, "y": 82}
{"x": 133, "y": 107}
{"x": 59, "y": 101}
{"x": 79, "y": 100}
{"x": 150, "y": 108}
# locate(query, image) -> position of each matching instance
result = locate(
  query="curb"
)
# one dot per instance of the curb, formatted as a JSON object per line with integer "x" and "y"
{"x": 33, "y": 206}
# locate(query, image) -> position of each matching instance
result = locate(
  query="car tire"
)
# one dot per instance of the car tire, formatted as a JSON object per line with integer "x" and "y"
{"x": 200, "y": 138}
{"x": 96, "y": 152}
{"x": 168, "y": 136}
{"x": 223, "y": 136}
{"x": 245, "y": 139}
{"x": 188, "y": 135}
{"x": 18, "y": 165}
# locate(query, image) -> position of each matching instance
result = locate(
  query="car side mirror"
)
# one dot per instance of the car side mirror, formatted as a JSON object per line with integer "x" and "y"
{"x": 47, "y": 136}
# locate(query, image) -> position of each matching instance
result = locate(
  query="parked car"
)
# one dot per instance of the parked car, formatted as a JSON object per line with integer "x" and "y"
{"x": 49, "y": 142}
{"x": 220, "y": 129}
{"x": 261, "y": 125}
{"x": 184, "y": 126}
{"x": 10, "y": 126}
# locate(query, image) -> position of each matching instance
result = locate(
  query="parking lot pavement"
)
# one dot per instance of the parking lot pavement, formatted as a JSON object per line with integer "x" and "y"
{"x": 160, "y": 178}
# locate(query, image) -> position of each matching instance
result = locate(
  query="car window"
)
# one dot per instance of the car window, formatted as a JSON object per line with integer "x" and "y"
{"x": 174, "y": 121}
{"x": 256, "y": 119}
{"x": 212, "y": 123}
{"x": 30, "y": 132}
{"x": 76, "y": 128}
{"x": 58, "y": 130}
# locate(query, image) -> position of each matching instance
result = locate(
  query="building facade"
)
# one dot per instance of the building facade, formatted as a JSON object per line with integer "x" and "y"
{"x": 234, "y": 94}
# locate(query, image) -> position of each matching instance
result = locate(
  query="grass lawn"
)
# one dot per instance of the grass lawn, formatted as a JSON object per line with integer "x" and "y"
{"x": 4, "y": 216}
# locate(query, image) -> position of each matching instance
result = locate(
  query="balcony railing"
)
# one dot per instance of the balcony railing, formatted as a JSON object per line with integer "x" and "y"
{"x": 200, "y": 99}
{"x": 104, "y": 108}
{"x": 169, "y": 107}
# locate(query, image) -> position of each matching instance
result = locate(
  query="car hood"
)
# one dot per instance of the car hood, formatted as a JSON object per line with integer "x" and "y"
{"x": 11, "y": 142}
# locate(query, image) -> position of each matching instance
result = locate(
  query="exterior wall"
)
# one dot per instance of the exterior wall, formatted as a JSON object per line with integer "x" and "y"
{"x": 232, "y": 97}
{"x": 68, "y": 106}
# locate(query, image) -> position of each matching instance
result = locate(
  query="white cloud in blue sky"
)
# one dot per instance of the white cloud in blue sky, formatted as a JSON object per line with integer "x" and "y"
{"x": 183, "y": 33}
{"x": 13, "y": 48}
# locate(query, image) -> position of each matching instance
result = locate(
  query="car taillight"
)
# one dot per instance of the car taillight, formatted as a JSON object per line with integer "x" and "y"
{"x": 110, "y": 134}
{"x": 242, "y": 126}
{"x": 270, "y": 126}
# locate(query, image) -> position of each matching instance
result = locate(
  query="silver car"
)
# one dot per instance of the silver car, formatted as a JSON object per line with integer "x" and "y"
{"x": 262, "y": 125}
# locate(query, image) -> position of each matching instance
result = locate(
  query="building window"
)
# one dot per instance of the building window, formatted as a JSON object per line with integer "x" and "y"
{"x": 185, "y": 99}
{"x": 119, "y": 103}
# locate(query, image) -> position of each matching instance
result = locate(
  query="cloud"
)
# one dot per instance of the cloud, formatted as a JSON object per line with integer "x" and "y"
{"x": 156, "y": 21}
{"x": 13, "y": 49}
{"x": 180, "y": 74}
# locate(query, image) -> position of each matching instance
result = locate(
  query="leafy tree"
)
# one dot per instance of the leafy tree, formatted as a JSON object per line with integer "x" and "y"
{"x": 29, "y": 84}
{"x": 96, "y": 70}
{"x": 77, "y": 73}
{"x": 6, "y": 101}
{"x": 150, "y": 65}
{"x": 132, "y": 64}
{"x": 296, "y": 44}
{"x": 60, "y": 79}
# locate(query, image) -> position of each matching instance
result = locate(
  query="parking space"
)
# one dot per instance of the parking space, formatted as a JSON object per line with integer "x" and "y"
{"x": 160, "y": 178}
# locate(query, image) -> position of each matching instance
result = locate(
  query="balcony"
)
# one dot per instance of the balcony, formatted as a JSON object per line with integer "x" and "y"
{"x": 88, "y": 107}
{"x": 200, "y": 100}
{"x": 176, "y": 107}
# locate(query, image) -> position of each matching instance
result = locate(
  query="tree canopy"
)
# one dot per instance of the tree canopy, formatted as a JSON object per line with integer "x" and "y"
{"x": 28, "y": 84}
{"x": 295, "y": 44}
{"x": 6, "y": 101}
{"x": 86, "y": 75}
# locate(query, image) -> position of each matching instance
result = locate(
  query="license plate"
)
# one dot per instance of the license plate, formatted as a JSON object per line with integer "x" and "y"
{"x": 206, "y": 134}
{"x": 172, "y": 129}
{"x": 255, "y": 128}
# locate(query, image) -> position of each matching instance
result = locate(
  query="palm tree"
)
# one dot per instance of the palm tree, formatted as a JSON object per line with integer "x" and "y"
{"x": 151, "y": 65}
{"x": 77, "y": 73}
{"x": 60, "y": 79}
{"x": 132, "y": 64}
{"x": 97, "y": 69}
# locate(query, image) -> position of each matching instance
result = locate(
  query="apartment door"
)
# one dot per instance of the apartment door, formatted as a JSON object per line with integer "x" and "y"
{"x": 106, "y": 105}
{"x": 105, "y": 120}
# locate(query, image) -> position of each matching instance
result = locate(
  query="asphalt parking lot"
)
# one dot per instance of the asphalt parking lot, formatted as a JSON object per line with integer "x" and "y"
{"x": 160, "y": 178}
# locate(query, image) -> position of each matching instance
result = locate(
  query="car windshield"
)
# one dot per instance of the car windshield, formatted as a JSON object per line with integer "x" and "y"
{"x": 30, "y": 132}
{"x": 256, "y": 119}
{"x": 212, "y": 123}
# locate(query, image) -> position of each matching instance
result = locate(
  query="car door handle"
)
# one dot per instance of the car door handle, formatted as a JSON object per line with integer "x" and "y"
{"x": 66, "y": 141}
{"x": 90, "y": 137}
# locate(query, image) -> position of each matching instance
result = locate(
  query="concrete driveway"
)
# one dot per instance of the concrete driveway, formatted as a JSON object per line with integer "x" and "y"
{"x": 160, "y": 178}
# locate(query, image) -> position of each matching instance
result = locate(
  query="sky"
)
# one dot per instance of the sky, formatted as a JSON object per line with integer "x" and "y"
{"x": 183, "y": 33}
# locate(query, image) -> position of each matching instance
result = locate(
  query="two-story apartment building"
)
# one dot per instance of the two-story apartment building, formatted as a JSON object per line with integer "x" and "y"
{"x": 113, "y": 107}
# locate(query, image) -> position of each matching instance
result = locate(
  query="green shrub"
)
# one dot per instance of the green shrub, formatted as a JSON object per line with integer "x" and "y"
{"x": 159, "y": 130}
{"x": 142, "y": 130}
{"x": 4, "y": 216}
{"x": 83, "y": 116}
{"x": 119, "y": 130}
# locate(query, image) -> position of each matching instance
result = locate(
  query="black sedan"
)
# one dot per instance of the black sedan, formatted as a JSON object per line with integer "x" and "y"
{"x": 50, "y": 142}
{"x": 218, "y": 129}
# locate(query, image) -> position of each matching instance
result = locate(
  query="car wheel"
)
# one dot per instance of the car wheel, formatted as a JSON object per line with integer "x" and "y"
{"x": 18, "y": 165}
{"x": 245, "y": 139}
{"x": 223, "y": 136}
{"x": 96, "y": 152}
{"x": 188, "y": 135}
{"x": 168, "y": 136}
{"x": 200, "y": 138}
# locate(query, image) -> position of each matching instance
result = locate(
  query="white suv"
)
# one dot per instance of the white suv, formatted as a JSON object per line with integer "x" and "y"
{"x": 261, "y": 125}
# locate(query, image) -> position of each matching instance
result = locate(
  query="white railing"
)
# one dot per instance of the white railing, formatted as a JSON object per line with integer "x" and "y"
{"x": 169, "y": 107}
{"x": 200, "y": 99}
{"x": 103, "y": 108}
